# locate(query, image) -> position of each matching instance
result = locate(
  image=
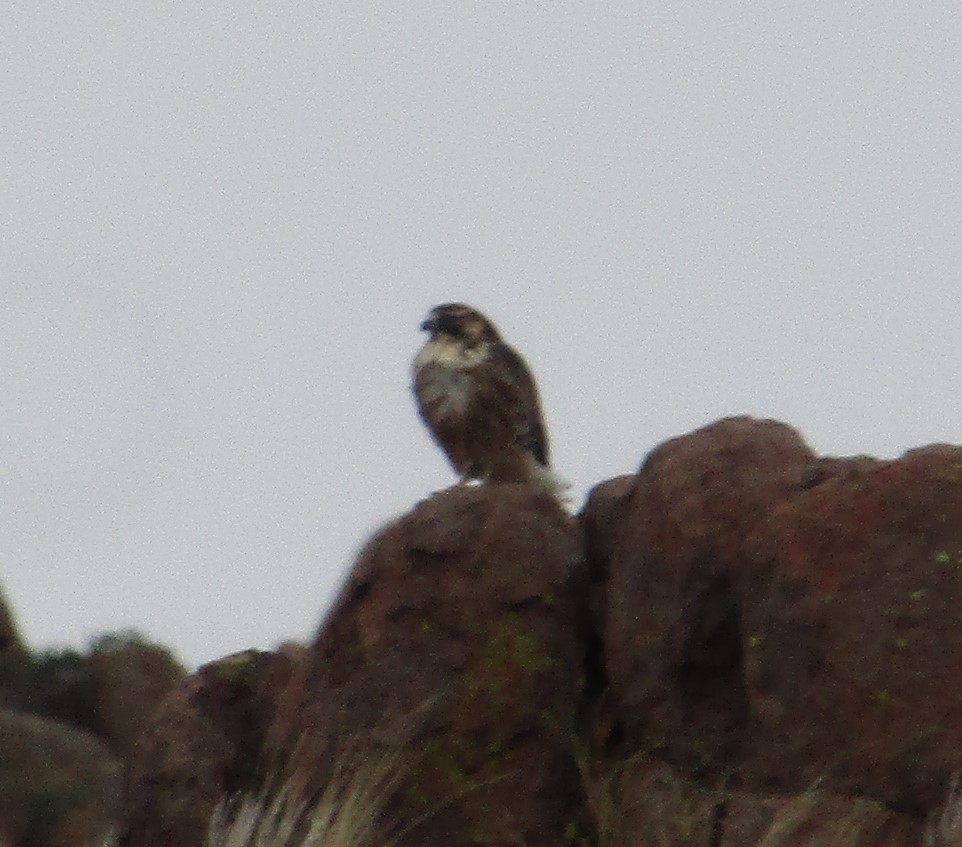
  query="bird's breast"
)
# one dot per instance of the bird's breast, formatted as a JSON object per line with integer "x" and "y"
{"x": 444, "y": 376}
{"x": 443, "y": 392}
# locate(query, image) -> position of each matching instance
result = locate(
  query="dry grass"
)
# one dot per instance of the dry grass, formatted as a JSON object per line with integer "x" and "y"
{"x": 858, "y": 825}
{"x": 671, "y": 812}
{"x": 619, "y": 796}
{"x": 945, "y": 829}
{"x": 347, "y": 814}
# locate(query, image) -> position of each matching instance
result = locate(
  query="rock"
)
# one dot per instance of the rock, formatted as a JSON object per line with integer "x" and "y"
{"x": 450, "y": 669}
{"x": 457, "y": 637}
{"x": 203, "y": 744}
{"x": 109, "y": 692}
{"x": 61, "y": 688}
{"x": 128, "y": 678}
{"x": 781, "y": 620}
{"x": 715, "y": 637}
{"x": 672, "y": 551}
{"x": 58, "y": 785}
{"x": 852, "y": 632}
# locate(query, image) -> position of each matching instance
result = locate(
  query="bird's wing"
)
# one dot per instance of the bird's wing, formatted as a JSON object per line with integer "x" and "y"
{"x": 520, "y": 401}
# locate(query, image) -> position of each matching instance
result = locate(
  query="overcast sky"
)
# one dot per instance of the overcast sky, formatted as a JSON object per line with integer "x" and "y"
{"x": 221, "y": 224}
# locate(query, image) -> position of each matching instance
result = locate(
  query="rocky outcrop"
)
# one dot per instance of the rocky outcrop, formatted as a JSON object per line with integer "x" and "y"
{"x": 203, "y": 744}
{"x": 671, "y": 556}
{"x": 58, "y": 785}
{"x": 773, "y": 621}
{"x": 852, "y": 635}
{"x": 460, "y": 627}
{"x": 457, "y": 636}
{"x": 66, "y": 725}
{"x": 743, "y": 643}
{"x": 128, "y": 678}
{"x": 109, "y": 691}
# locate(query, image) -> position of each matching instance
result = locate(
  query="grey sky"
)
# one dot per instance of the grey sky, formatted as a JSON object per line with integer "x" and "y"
{"x": 220, "y": 225}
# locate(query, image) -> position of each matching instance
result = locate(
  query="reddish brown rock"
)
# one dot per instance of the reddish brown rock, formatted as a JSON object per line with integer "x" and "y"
{"x": 457, "y": 637}
{"x": 58, "y": 785}
{"x": 603, "y": 515}
{"x": 738, "y": 622}
{"x": 454, "y": 655}
{"x": 203, "y": 744}
{"x": 128, "y": 679}
{"x": 783, "y": 620}
{"x": 671, "y": 553}
{"x": 853, "y": 634}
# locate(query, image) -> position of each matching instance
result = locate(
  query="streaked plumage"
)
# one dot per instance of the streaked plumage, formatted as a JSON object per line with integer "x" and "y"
{"x": 478, "y": 399}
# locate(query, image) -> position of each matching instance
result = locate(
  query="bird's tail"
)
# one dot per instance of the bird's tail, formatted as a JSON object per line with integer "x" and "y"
{"x": 557, "y": 487}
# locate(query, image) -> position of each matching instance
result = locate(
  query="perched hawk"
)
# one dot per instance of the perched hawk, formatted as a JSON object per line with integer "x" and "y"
{"x": 479, "y": 401}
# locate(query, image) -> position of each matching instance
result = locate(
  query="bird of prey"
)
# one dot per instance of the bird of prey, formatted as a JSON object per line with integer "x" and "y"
{"x": 479, "y": 400}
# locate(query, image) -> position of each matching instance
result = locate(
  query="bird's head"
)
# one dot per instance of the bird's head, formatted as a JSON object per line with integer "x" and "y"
{"x": 460, "y": 323}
